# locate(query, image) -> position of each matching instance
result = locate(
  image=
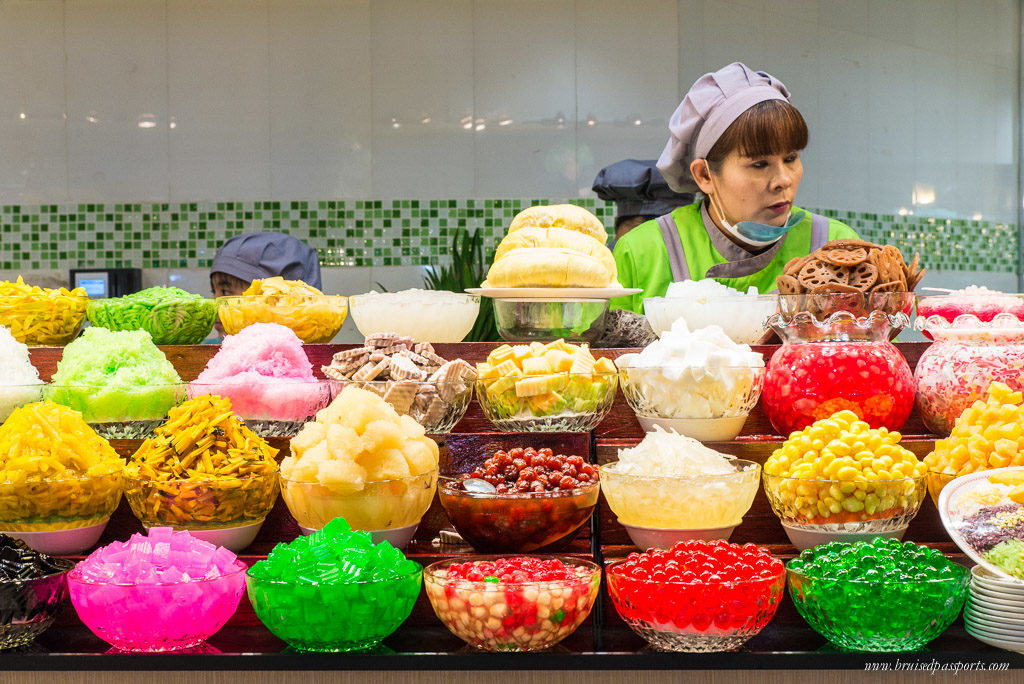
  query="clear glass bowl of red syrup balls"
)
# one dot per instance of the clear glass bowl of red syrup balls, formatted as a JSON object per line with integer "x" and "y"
{"x": 836, "y": 355}
{"x": 698, "y": 596}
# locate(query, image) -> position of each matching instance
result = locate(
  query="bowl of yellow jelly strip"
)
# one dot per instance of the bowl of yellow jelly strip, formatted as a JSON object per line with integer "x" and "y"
{"x": 206, "y": 472}
{"x": 840, "y": 480}
{"x": 41, "y": 316}
{"x": 989, "y": 434}
{"x": 62, "y": 514}
{"x": 59, "y": 480}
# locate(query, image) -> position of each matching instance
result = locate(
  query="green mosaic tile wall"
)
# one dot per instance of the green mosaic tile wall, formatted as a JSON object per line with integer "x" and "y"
{"x": 392, "y": 233}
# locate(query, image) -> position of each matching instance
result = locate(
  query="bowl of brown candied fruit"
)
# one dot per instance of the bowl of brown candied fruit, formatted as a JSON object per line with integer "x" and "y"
{"x": 522, "y": 499}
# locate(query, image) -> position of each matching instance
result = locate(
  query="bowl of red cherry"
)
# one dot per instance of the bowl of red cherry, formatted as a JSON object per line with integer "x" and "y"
{"x": 697, "y": 596}
{"x": 520, "y": 499}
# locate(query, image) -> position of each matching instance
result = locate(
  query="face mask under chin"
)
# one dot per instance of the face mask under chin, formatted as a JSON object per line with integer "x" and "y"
{"x": 757, "y": 234}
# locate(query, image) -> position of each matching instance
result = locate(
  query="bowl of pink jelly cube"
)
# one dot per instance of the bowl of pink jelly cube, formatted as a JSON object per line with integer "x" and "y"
{"x": 162, "y": 592}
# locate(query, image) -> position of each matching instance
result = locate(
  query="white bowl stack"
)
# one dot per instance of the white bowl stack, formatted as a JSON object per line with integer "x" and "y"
{"x": 995, "y": 610}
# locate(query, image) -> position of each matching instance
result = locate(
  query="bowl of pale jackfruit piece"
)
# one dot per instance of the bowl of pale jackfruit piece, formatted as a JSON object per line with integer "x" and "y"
{"x": 361, "y": 461}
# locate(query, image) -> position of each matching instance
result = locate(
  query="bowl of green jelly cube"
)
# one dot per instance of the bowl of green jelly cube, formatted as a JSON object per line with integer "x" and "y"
{"x": 334, "y": 591}
{"x": 881, "y": 595}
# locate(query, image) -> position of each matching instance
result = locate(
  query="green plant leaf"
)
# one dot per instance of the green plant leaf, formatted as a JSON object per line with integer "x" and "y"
{"x": 468, "y": 268}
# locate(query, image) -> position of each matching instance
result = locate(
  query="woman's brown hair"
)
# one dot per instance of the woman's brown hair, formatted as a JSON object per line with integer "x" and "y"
{"x": 769, "y": 127}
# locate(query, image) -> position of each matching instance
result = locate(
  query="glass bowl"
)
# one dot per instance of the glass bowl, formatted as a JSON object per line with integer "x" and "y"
{"x": 157, "y": 616}
{"x": 59, "y": 516}
{"x": 937, "y": 480}
{"x": 967, "y": 356}
{"x": 577, "y": 403}
{"x": 44, "y": 320}
{"x": 276, "y": 407}
{"x": 132, "y": 412}
{"x": 816, "y": 511}
{"x": 228, "y": 512}
{"x": 695, "y": 617}
{"x": 28, "y": 606}
{"x": 337, "y": 616}
{"x": 543, "y": 320}
{"x": 169, "y": 320}
{"x": 879, "y": 616}
{"x": 15, "y": 396}
{"x": 841, "y": 362}
{"x": 438, "y": 407}
{"x": 742, "y": 317}
{"x": 959, "y": 309}
{"x": 435, "y": 316}
{"x": 896, "y": 306}
{"x": 707, "y": 405}
{"x": 315, "y": 319}
{"x": 520, "y": 521}
{"x": 512, "y": 616}
{"x": 388, "y": 509}
{"x": 667, "y": 508}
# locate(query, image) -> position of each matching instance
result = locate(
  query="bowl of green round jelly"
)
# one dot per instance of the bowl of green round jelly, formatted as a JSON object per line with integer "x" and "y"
{"x": 334, "y": 591}
{"x": 169, "y": 314}
{"x": 881, "y": 595}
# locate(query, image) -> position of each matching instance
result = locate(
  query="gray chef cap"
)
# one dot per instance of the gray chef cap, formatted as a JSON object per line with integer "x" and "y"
{"x": 709, "y": 108}
{"x": 638, "y": 189}
{"x": 253, "y": 256}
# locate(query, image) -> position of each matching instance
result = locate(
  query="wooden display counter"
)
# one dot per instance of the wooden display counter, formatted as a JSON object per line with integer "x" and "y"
{"x": 603, "y": 642}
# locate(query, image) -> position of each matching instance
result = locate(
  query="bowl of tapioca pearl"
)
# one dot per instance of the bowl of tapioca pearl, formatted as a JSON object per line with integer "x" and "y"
{"x": 512, "y": 603}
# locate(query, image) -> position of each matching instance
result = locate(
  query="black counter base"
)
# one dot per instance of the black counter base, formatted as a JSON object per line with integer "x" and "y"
{"x": 424, "y": 648}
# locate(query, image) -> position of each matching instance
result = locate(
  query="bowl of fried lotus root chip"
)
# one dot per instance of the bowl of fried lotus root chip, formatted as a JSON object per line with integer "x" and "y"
{"x": 849, "y": 275}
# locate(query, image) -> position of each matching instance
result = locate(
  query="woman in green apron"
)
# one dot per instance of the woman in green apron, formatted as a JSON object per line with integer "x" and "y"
{"x": 737, "y": 139}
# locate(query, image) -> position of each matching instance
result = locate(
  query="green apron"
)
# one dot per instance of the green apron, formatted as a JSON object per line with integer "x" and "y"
{"x": 657, "y": 252}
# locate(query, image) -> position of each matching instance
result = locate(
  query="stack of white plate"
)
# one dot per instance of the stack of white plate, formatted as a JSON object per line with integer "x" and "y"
{"x": 995, "y": 610}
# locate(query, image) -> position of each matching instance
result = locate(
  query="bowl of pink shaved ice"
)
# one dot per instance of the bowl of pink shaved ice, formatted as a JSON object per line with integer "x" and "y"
{"x": 268, "y": 378}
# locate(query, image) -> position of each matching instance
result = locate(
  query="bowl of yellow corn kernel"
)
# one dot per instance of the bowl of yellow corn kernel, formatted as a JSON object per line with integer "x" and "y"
{"x": 206, "y": 472}
{"x": 41, "y": 316}
{"x": 59, "y": 481}
{"x": 840, "y": 480}
{"x": 313, "y": 316}
{"x": 989, "y": 434}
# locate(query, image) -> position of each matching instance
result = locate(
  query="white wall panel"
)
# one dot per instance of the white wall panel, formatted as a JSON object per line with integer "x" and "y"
{"x": 218, "y": 87}
{"x": 319, "y": 94}
{"x": 117, "y": 128}
{"x": 524, "y": 85}
{"x": 422, "y": 96}
{"x": 627, "y": 80}
{"x": 33, "y": 163}
{"x": 297, "y": 99}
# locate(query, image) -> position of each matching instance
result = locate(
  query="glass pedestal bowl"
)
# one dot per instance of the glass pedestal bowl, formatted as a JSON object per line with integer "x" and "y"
{"x": 814, "y": 512}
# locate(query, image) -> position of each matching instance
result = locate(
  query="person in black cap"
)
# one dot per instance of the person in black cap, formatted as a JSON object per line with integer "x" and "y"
{"x": 639, "y": 191}
{"x": 252, "y": 256}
